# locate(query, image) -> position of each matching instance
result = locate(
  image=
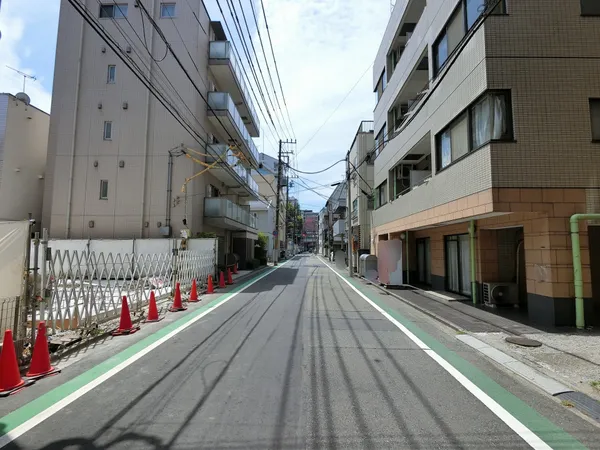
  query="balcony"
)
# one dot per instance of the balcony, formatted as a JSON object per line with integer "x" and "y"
{"x": 223, "y": 213}
{"x": 231, "y": 172}
{"x": 229, "y": 75}
{"x": 339, "y": 228}
{"x": 224, "y": 114}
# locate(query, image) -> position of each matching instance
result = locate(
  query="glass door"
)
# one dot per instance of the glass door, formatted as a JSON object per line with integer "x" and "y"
{"x": 458, "y": 264}
{"x": 424, "y": 261}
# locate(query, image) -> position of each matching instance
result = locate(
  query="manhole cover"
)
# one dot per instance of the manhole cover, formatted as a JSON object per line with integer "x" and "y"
{"x": 523, "y": 342}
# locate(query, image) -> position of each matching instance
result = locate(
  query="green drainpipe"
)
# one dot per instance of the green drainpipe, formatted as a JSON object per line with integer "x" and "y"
{"x": 473, "y": 262}
{"x": 577, "y": 271}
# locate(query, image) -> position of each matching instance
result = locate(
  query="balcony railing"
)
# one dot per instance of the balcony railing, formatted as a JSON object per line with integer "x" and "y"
{"x": 234, "y": 163}
{"x": 222, "y": 50}
{"x": 218, "y": 207}
{"x": 221, "y": 101}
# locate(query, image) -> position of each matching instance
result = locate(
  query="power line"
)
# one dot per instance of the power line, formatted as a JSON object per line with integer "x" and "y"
{"x": 259, "y": 66}
{"x": 319, "y": 171}
{"x": 335, "y": 110}
{"x": 274, "y": 60}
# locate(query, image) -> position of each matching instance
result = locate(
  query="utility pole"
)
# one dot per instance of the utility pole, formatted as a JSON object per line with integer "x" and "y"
{"x": 349, "y": 215}
{"x": 277, "y": 207}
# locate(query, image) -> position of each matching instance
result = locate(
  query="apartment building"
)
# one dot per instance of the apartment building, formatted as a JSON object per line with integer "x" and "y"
{"x": 360, "y": 166}
{"x": 118, "y": 161}
{"x": 332, "y": 220}
{"x": 487, "y": 129}
{"x": 23, "y": 148}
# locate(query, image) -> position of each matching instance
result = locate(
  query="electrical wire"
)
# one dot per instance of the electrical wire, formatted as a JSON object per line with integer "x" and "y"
{"x": 335, "y": 110}
{"x": 319, "y": 171}
{"x": 274, "y": 60}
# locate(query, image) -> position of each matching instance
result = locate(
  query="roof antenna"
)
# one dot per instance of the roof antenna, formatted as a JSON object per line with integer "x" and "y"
{"x": 24, "y": 75}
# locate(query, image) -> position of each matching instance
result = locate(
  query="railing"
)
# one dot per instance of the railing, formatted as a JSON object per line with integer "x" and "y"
{"x": 221, "y": 101}
{"x": 221, "y": 207}
{"x": 86, "y": 288}
{"x": 366, "y": 126}
{"x": 234, "y": 163}
{"x": 222, "y": 50}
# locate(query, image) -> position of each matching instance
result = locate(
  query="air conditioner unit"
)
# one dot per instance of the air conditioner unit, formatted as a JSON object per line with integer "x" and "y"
{"x": 500, "y": 294}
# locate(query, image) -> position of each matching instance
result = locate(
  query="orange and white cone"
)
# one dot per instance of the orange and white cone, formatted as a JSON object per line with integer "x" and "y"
{"x": 177, "y": 304}
{"x": 40, "y": 360}
{"x": 194, "y": 293}
{"x": 153, "y": 310}
{"x": 125, "y": 324}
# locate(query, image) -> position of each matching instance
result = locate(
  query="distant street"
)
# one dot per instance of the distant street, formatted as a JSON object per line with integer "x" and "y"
{"x": 296, "y": 360}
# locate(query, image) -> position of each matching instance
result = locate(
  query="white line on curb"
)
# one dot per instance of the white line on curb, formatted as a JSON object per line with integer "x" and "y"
{"x": 525, "y": 433}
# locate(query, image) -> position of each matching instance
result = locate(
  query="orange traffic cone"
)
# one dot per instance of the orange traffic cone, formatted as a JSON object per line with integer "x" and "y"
{"x": 229, "y": 278}
{"x": 177, "y": 305}
{"x": 153, "y": 310}
{"x": 10, "y": 378}
{"x": 125, "y": 324}
{"x": 211, "y": 288}
{"x": 40, "y": 361}
{"x": 222, "y": 280}
{"x": 235, "y": 269}
{"x": 194, "y": 293}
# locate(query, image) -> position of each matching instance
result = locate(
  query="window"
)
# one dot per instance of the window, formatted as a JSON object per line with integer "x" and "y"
{"x": 460, "y": 22}
{"x": 103, "y": 189}
{"x": 381, "y": 195}
{"x": 595, "y": 115}
{"x": 113, "y": 11}
{"x": 107, "y": 131}
{"x": 380, "y": 85}
{"x": 590, "y": 8}
{"x": 379, "y": 140}
{"x": 167, "y": 10}
{"x": 111, "y": 73}
{"x": 475, "y": 8}
{"x": 488, "y": 119}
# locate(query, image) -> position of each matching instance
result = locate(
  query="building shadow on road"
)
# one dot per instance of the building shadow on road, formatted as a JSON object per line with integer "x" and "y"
{"x": 283, "y": 276}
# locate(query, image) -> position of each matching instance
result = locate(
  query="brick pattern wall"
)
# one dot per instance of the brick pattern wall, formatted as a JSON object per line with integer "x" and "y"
{"x": 549, "y": 56}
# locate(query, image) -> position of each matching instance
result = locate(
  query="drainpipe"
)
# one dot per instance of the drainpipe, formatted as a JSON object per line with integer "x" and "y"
{"x": 577, "y": 271}
{"x": 169, "y": 191}
{"x": 473, "y": 262}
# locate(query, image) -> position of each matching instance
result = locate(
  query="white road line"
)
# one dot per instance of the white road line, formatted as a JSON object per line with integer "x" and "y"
{"x": 50, "y": 411}
{"x": 525, "y": 433}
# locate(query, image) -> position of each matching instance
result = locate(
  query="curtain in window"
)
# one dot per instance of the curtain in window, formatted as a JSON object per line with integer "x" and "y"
{"x": 446, "y": 149}
{"x": 482, "y": 123}
{"x": 500, "y": 117}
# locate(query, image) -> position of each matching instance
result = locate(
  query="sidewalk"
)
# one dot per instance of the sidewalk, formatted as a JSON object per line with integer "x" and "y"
{"x": 567, "y": 355}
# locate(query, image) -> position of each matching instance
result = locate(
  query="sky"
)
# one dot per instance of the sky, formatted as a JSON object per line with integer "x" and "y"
{"x": 323, "y": 49}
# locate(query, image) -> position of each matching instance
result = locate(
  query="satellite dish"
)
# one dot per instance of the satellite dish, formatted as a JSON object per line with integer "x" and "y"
{"x": 23, "y": 97}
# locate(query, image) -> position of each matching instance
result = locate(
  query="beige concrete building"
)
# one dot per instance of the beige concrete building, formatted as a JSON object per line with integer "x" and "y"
{"x": 118, "y": 160}
{"x": 492, "y": 118}
{"x": 23, "y": 148}
{"x": 361, "y": 168}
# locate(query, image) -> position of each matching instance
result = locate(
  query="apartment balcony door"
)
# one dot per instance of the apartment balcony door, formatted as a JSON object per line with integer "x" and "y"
{"x": 424, "y": 261}
{"x": 458, "y": 264}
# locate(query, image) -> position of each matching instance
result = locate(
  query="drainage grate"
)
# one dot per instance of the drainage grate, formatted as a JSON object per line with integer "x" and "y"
{"x": 583, "y": 403}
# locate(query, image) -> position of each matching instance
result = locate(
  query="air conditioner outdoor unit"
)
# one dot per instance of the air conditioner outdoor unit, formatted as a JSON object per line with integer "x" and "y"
{"x": 500, "y": 294}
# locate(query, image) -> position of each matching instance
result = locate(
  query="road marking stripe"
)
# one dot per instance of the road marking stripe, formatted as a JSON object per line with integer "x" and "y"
{"x": 525, "y": 433}
{"x": 146, "y": 345}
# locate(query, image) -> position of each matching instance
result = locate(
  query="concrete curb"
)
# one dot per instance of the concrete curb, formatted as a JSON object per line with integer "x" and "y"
{"x": 543, "y": 382}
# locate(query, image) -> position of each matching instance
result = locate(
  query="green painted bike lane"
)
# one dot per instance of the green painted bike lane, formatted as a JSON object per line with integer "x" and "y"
{"x": 550, "y": 433}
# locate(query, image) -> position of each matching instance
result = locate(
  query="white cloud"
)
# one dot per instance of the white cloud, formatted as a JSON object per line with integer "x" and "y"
{"x": 17, "y": 18}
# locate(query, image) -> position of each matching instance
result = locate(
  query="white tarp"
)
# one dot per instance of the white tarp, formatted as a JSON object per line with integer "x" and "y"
{"x": 13, "y": 244}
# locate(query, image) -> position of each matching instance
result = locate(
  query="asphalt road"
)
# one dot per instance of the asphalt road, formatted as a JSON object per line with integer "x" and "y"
{"x": 297, "y": 360}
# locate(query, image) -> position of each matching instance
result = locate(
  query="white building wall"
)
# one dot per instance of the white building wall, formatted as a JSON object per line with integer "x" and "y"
{"x": 23, "y": 149}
